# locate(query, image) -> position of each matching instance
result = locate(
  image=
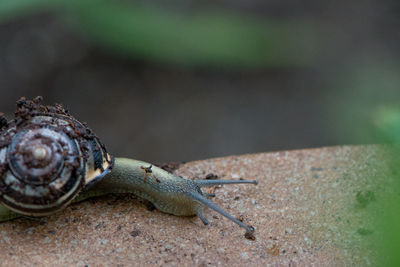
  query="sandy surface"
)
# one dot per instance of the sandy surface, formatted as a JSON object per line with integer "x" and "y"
{"x": 305, "y": 211}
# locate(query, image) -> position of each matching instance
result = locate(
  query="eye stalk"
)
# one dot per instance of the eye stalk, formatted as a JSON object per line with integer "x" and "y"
{"x": 211, "y": 205}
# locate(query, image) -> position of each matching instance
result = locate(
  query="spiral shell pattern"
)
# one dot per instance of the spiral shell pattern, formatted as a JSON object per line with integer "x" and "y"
{"x": 46, "y": 158}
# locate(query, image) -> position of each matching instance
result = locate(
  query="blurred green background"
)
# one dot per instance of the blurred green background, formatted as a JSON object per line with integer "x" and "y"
{"x": 184, "y": 80}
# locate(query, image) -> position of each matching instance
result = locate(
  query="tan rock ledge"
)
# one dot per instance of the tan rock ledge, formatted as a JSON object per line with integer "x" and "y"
{"x": 305, "y": 211}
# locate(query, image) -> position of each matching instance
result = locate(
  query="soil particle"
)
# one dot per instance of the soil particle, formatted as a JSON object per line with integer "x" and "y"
{"x": 135, "y": 233}
{"x": 211, "y": 176}
{"x": 169, "y": 166}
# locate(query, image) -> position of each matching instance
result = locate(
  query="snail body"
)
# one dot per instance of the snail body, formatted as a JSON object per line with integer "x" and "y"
{"x": 47, "y": 158}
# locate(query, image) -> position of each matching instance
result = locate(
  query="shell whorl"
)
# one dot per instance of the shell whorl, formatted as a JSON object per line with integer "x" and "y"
{"x": 46, "y": 158}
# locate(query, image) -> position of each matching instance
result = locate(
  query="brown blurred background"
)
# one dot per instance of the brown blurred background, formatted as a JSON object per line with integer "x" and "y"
{"x": 151, "y": 95}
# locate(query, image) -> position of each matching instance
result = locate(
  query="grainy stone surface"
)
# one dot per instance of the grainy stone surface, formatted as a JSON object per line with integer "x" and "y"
{"x": 305, "y": 210}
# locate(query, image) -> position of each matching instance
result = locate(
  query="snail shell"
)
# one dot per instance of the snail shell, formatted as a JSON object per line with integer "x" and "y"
{"x": 46, "y": 158}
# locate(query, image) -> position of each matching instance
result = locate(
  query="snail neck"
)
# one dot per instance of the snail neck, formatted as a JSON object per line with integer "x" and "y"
{"x": 129, "y": 174}
{"x": 166, "y": 191}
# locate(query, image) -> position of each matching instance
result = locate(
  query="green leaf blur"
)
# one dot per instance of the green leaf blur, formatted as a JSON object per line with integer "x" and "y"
{"x": 204, "y": 37}
{"x": 387, "y": 121}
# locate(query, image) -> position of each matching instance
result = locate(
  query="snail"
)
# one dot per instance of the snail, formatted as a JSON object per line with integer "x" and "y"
{"x": 48, "y": 159}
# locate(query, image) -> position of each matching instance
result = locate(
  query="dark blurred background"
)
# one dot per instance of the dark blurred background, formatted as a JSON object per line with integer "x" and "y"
{"x": 185, "y": 80}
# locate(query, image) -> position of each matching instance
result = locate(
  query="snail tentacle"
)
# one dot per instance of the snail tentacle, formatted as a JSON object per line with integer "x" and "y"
{"x": 208, "y": 203}
{"x": 204, "y": 183}
{"x": 199, "y": 213}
